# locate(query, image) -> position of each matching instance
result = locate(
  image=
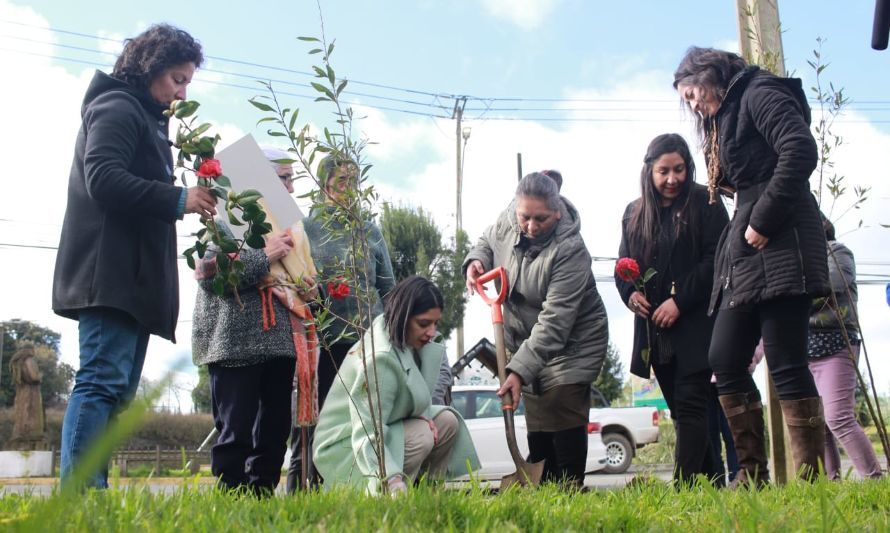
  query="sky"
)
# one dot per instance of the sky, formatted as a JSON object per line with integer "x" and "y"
{"x": 574, "y": 85}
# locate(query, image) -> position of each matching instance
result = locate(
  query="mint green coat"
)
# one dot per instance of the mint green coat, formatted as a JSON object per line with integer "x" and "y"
{"x": 344, "y": 448}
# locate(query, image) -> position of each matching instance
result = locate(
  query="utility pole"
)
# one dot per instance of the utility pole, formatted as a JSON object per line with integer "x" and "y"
{"x": 459, "y": 104}
{"x": 2, "y": 342}
{"x": 760, "y": 41}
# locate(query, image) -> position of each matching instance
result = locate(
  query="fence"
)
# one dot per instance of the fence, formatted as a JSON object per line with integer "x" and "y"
{"x": 156, "y": 457}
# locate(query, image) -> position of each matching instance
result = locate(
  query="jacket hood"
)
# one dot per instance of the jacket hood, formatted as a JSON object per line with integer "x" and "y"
{"x": 103, "y": 83}
{"x": 569, "y": 222}
{"x": 755, "y": 74}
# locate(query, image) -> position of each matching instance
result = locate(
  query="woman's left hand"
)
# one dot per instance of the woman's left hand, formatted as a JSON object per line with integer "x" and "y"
{"x": 433, "y": 428}
{"x": 755, "y": 239}
{"x": 666, "y": 314}
{"x": 513, "y": 387}
{"x": 307, "y": 288}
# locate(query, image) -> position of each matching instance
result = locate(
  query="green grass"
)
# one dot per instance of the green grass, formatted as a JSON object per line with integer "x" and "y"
{"x": 823, "y": 506}
{"x": 659, "y": 452}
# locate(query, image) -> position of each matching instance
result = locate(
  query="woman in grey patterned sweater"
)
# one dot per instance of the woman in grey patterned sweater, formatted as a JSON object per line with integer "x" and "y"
{"x": 250, "y": 356}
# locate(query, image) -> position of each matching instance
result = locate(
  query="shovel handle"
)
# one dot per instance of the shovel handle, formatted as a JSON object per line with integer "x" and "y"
{"x": 495, "y": 303}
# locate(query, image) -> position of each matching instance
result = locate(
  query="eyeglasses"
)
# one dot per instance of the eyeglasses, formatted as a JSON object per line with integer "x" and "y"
{"x": 287, "y": 178}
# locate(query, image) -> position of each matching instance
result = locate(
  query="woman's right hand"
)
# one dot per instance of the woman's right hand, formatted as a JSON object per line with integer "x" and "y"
{"x": 278, "y": 245}
{"x": 639, "y": 304}
{"x": 201, "y": 201}
{"x": 512, "y": 386}
{"x": 474, "y": 270}
{"x": 396, "y": 484}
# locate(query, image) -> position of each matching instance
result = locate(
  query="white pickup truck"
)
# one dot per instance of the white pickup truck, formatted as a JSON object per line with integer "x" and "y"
{"x": 624, "y": 429}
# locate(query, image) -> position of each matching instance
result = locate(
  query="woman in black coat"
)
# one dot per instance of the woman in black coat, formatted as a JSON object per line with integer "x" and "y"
{"x": 673, "y": 229}
{"x": 116, "y": 265}
{"x": 771, "y": 260}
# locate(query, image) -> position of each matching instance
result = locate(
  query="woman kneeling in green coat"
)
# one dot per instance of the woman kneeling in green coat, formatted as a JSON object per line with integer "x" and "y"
{"x": 418, "y": 437}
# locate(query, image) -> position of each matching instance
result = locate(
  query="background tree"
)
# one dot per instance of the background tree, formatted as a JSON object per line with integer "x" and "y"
{"x": 416, "y": 247}
{"x": 611, "y": 381}
{"x": 201, "y": 392}
{"x": 57, "y": 376}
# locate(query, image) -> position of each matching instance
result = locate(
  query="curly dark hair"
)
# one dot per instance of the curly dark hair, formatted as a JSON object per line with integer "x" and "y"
{"x": 153, "y": 51}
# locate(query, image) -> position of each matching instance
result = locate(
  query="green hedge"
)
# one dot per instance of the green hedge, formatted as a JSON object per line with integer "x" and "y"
{"x": 169, "y": 431}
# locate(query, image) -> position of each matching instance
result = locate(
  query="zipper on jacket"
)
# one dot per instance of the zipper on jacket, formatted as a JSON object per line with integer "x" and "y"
{"x": 803, "y": 272}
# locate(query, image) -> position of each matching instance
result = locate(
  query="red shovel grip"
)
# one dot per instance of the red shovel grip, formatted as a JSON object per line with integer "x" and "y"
{"x": 495, "y": 303}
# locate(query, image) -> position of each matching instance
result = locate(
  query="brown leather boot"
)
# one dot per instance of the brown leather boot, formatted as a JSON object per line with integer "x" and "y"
{"x": 806, "y": 427}
{"x": 744, "y": 412}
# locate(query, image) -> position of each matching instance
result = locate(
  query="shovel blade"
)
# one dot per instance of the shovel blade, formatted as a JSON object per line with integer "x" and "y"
{"x": 526, "y": 475}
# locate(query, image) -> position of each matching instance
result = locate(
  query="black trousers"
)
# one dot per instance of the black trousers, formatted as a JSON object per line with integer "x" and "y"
{"x": 251, "y": 410}
{"x": 783, "y": 323}
{"x": 687, "y": 398}
{"x": 328, "y": 364}
{"x": 721, "y": 435}
{"x": 564, "y": 454}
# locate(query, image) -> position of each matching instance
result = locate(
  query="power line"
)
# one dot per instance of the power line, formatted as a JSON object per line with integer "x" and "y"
{"x": 485, "y": 100}
{"x": 236, "y": 61}
{"x": 237, "y": 86}
{"x": 238, "y": 74}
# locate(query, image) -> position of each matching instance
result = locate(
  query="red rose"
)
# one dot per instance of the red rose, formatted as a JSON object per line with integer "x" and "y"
{"x": 627, "y": 269}
{"x": 210, "y": 168}
{"x": 338, "y": 290}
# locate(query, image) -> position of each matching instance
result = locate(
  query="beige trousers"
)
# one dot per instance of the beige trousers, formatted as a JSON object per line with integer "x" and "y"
{"x": 421, "y": 453}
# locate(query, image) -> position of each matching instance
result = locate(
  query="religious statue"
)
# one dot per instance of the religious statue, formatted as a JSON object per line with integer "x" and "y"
{"x": 29, "y": 430}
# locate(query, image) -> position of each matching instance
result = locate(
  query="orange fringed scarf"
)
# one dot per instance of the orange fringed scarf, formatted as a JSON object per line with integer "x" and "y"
{"x": 305, "y": 345}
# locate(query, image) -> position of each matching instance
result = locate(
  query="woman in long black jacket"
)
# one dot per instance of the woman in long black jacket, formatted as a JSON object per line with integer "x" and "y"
{"x": 673, "y": 229}
{"x": 116, "y": 266}
{"x": 771, "y": 260}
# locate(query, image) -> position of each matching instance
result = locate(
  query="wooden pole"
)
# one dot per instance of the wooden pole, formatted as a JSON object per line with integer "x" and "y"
{"x": 458, "y": 114}
{"x": 760, "y": 41}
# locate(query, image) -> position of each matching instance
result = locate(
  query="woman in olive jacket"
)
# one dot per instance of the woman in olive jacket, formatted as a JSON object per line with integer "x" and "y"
{"x": 674, "y": 230}
{"x": 771, "y": 260}
{"x": 555, "y": 323}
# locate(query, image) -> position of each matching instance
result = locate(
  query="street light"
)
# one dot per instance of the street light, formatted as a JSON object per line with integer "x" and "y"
{"x": 465, "y": 134}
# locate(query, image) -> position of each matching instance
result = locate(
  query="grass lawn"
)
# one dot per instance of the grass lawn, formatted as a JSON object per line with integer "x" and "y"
{"x": 823, "y": 506}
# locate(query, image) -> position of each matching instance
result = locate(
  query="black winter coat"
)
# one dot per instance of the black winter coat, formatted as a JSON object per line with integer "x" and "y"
{"x": 691, "y": 271}
{"x": 118, "y": 242}
{"x": 767, "y": 154}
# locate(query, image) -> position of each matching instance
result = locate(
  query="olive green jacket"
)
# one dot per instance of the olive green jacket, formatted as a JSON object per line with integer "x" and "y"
{"x": 554, "y": 319}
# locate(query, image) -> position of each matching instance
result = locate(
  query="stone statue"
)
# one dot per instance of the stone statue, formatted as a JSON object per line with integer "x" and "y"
{"x": 29, "y": 430}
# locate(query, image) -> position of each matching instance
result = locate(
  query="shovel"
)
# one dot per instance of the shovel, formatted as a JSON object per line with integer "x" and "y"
{"x": 526, "y": 473}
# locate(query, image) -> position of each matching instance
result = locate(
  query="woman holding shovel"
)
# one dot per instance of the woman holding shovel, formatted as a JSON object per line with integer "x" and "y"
{"x": 555, "y": 323}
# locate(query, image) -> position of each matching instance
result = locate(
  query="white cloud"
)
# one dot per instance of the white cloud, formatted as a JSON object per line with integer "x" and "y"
{"x": 527, "y": 14}
{"x": 600, "y": 160}
{"x": 110, "y": 42}
{"x": 601, "y": 163}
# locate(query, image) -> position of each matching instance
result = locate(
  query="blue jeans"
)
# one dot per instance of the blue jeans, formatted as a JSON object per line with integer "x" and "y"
{"x": 112, "y": 352}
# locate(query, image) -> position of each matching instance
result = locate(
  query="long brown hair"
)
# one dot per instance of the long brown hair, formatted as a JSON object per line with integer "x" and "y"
{"x": 711, "y": 70}
{"x": 645, "y": 218}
